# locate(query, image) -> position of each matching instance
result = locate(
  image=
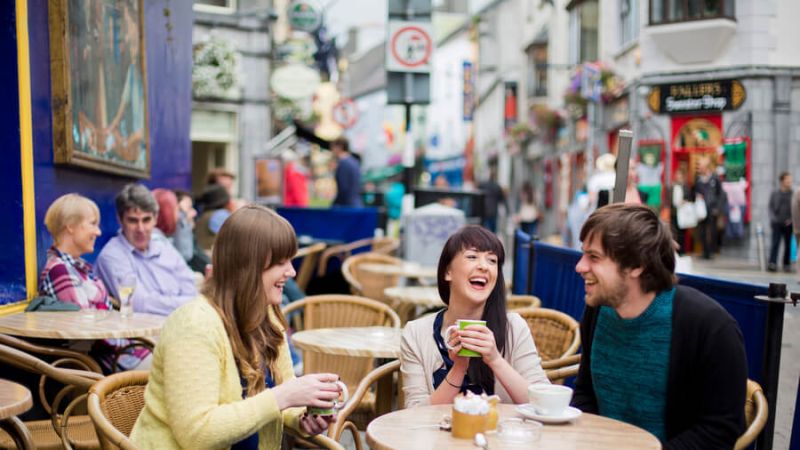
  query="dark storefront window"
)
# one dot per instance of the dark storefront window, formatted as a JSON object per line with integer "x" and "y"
{"x": 670, "y": 11}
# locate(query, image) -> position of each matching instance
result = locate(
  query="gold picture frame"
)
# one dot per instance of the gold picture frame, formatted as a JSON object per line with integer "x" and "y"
{"x": 99, "y": 85}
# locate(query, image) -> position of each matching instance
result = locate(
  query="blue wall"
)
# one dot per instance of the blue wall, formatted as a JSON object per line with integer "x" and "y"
{"x": 12, "y": 268}
{"x": 168, "y": 46}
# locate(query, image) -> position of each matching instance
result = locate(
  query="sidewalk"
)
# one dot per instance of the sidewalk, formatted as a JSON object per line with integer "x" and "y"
{"x": 748, "y": 271}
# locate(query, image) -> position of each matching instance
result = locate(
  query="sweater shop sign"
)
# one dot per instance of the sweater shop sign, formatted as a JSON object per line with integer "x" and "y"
{"x": 701, "y": 96}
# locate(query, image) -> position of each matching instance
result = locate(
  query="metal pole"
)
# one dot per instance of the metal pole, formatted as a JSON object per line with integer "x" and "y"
{"x": 531, "y": 265}
{"x": 623, "y": 159}
{"x": 771, "y": 363}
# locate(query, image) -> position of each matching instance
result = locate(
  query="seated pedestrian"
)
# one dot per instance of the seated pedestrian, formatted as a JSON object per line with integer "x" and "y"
{"x": 471, "y": 284}
{"x": 74, "y": 223}
{"x": 184, "y": 233}
{"x": 222, "y": 376}
{"x": 663, "y": 357}
{"x": 163, "y": 279}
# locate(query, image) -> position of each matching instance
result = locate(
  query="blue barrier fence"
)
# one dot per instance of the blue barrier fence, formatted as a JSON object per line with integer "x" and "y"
{"x": 339, "y": 224}
{"x": 560, "y": 287}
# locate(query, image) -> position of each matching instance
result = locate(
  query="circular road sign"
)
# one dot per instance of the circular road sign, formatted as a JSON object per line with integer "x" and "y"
{"x": 345, "y": 113}
{"x": 411, "y": 46}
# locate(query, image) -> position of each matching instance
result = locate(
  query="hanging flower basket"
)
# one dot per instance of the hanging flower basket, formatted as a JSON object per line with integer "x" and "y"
{"x": 215, "y": 69}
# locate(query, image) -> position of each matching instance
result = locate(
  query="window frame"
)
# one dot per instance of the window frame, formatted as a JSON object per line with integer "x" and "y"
{"x": 538, "y": 89}
{"x": 727, "y": 10}
{"x": 213, "y": 9}
{"x": 631, "y": 17}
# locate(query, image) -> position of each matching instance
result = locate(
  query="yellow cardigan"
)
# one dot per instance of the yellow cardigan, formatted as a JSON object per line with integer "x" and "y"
{"x": 194, "y": 400}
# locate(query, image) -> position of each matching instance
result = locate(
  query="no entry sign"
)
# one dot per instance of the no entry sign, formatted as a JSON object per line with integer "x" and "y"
{"x": 409, "y": 47}
{"x": 345, "y": 113}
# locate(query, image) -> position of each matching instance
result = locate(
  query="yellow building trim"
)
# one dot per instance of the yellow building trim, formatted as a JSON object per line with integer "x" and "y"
{"x": 7, "y": 310}
{"x": 26, "y": 149}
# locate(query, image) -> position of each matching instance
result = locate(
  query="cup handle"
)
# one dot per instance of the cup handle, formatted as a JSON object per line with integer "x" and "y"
{"x": 447, "y": 336}
{"x": 345, "y": 396}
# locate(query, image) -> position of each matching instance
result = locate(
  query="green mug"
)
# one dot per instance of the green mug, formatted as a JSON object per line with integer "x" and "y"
{"x": 336, "y": 403}
{"x": 460, "y": 325}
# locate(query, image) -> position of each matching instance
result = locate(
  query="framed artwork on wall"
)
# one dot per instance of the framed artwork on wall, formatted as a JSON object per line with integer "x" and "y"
{"x": 99, "y": 85}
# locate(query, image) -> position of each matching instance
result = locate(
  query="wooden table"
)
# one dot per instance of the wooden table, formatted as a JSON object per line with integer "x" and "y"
{"x": 15, "y": 399}
{"x": 407, "y": 269}
{"x": 375, "y": 342}
{"x": 412, "y": 428}
{"x": 78, "y": 325}
{"x": 406, "y": 299}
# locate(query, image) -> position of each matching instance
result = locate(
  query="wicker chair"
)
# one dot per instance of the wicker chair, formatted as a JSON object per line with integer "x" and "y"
{"x": 385, "y": 245}
{"x": 114, "y": 405}
{"x": 310, "y": 257}
{"x": 514, "y": 301}
{"x": 116, "y": 401}
{"x": 335, "y": 311}
{"x": 755, "y": 412}
{"x": 558, "y": 370}
{"x": 62, "y": 430}
{"x": 555, "y": 334}
{"x": 342, "y": 417}
{"x": 370, "y": 285}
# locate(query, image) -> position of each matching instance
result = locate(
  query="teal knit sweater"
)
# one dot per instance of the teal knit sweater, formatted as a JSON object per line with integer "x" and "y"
{"x": 630, "y": 364}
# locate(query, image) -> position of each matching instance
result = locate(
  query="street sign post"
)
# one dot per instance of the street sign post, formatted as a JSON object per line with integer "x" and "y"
{"x": 409, "y": 52}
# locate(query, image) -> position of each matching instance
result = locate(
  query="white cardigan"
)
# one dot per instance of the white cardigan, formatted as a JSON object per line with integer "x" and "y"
{"x": 419, "y": 358}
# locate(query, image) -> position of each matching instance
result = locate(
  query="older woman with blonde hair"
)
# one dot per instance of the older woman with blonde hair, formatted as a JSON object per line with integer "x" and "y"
{"x": 222, "y": 376}
{"x": 74, "y": 223}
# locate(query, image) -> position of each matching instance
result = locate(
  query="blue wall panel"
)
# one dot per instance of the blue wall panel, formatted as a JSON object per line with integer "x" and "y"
{"x": 12, "y": 256}
{"x": 168, "y": 46}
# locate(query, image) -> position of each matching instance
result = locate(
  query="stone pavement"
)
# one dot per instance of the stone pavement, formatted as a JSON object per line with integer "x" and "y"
{"x": 748, "y": 271}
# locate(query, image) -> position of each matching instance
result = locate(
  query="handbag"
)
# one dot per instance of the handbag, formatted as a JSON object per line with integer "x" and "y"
{"x": 700, "y": 209}
{"x": 687, "y": 216}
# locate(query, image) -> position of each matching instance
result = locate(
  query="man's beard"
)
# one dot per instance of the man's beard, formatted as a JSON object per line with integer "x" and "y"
{"x": 612, "y": 296}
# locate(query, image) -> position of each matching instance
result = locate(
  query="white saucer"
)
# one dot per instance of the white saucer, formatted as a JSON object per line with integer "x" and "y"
{"x": 568, "y": 415}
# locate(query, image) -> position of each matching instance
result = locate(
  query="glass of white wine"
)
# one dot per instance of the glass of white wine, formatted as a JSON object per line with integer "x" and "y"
{"x": 125, "y": 288}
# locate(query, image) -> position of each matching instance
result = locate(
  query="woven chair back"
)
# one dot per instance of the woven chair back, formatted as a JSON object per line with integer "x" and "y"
{"x": 369, "y": 284}
{"x": 114, "y": 405}
{"x": 514, "y": 301}
{"x": 310, "y": 257}
{"x": 555, "y": 334}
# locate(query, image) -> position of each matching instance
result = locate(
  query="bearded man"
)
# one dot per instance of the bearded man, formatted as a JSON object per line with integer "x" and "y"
{"x": 663, "y": 357}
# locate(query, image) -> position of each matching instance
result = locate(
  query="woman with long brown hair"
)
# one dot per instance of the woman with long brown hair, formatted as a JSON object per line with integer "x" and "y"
{"x": 222, "y": 376}
{"x": 471, "y": 284}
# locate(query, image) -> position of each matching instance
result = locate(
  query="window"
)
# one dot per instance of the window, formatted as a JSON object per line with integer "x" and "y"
{"x": 668, "y": 11}
{"x": 629, "y": 21}
{"x": 537, "y": 70}
{"x": 583, "y": 32}
{"x": 215, "y": 6}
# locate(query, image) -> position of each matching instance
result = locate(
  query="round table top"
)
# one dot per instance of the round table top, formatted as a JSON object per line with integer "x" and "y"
{"x": 15, "y": 399}
{"x": 407, "y": 269}
{"x": 81, "y": 325}
{"x": 376, "y": 342}
{"x": 427, "y": 296}
{"x": 416, "y": 428}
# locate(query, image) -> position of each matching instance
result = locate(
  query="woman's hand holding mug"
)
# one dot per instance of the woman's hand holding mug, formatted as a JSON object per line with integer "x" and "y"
{"x": 316, "y": 390}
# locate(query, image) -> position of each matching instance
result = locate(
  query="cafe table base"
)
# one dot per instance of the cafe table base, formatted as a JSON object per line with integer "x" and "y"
{"x": 417, "y": 428}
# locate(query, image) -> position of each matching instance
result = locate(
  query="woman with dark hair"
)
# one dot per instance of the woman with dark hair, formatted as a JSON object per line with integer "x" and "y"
{"x": 471, "y": 284}
{"x": 222, "y": 376}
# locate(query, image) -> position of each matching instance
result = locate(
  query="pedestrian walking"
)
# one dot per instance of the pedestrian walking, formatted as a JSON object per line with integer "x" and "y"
{"x": 708, "y": 190}
{"x": 780, "y": 218}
